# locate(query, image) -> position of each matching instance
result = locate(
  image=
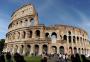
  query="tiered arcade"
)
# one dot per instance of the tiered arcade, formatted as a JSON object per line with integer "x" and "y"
{"x": 26, "y": 36}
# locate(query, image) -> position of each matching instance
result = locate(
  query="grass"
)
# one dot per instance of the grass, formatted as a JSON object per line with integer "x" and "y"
{"x": 32, "y": 58}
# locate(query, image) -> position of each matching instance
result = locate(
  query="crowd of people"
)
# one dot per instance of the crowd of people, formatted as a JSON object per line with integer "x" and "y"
{"x": 65, "y": 58}
{"x": 7, "y": 57}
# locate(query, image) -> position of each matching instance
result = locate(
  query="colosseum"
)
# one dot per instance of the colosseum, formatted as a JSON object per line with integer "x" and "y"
{"x": 27, "y": 36}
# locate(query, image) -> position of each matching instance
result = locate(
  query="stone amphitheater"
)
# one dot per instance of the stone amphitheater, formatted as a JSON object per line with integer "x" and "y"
{"x": 27, "y": 36}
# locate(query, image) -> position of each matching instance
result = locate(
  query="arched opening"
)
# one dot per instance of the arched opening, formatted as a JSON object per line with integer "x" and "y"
{"x": 21, "y": 50}
{"x": 30, "y": 36}
{"x": 53, "y": 37}
{"x": 79, "y": 51}
{"x": 54, "y": 34}
{"x": 37, "y": 33}
{"x": 81, "y": 40}
{"x": 21, "y": 23}
{"x": 36, "y": 50}
{"x": 82, "y": 51}
{"x": 54, "y": 49}
{"x": 32, "y": 22}
{"x": 70, "y": 49}
{"x": 61, "y": 50}
{"x": 69, "y": 32}
{"x": 17, "y": 35}
{"x": 77, "y": 38}
{"x": 45, "y": 49}
{"x": 65, "y": 37}
{"x": 28, "y": 49}
{"x": 69, "y": 38}
{"x": 75, "y": 50}
{"x": 46, "y": 35}
{"x": 74, "y": 41}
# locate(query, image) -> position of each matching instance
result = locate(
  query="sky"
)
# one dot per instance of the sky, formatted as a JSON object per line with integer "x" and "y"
{"x": 68, "y": 12}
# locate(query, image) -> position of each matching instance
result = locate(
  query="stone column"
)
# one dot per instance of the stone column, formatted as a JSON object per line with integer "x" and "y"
{"x": 13, "y": 50}
{"x": 49, "y": 49}
{"x": 57, "y": 49}
{"x": 21, "y": 34}
{"x": 32, "y": 49}
{"x": 72, "y": 44}
{"x": 18, "y": 50}
{"x": 41, "y": 34}
{"x": 33, "y": 34}
{"x": 67, "y": 44}
{"x": 24, "y": 50}
{"x": 27, "y": 34}
{"x": 40, "y": 49}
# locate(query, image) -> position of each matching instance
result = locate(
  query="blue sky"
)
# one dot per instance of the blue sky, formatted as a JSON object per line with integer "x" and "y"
{"x": 69, "y": 12}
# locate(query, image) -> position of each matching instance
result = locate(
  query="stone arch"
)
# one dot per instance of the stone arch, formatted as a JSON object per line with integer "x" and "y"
{"x": 79, "y": 51}
{"x": 54, "y": 49}
{"x": 47, "y": 35}
{"x": 23, "y": 34}
{"x": 32, "y": 22}
{"x": 53, "y": 37}
{"x": 75, "y": 50}
{"x": 65, "y": 37}
{"x": 77, "y": 38}
{"x": 45, "y": 49}
{"x": 54, "y": 34}
{"x": 36, "y": 50}
{"x": 70, "y": 49}
{"x": 28, "y": 49}
{"x": 61, "y": 48}
{"x": 30, "y": 35}
{"x": 16, "y": 48}
{"x": 69, "y": 38}
{"x": 21, "y": 49}
{"x": 74, "y": 39}
{"x": 69, "y": 32}
{"x": 37, "y": 33}
{"x": 82, "y": 51}
{"x": 81, "y": 40}
{"x": 17, "y": 35}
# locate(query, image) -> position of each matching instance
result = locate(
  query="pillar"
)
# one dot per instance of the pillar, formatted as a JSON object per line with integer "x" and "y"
{"x": 40, "y": 49}
{"x": 18, "y": 50}
{"x": 27, "y": 34}
{"x": 32, "y": 49}
{"x": 72, "y": 44}
{"x": 24, "y": 50}
{"x": 58, "y": 50}
{"x": 49, "y": 49}
{"x": 67, "y": 44}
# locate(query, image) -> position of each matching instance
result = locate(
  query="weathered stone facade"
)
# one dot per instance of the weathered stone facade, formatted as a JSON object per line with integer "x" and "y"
{"x": 26, "y": 36}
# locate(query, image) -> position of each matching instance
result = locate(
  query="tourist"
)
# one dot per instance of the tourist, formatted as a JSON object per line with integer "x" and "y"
{"x": 2, "y": 58}
{"x": 44, "y": 59}
{"x": 8, "y": 57}
{"x": 77, "y": 58}
{"x": 73, "y": 58}
{"x": 18, "y": 58}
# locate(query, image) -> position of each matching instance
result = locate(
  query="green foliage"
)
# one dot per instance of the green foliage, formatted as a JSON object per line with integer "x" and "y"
{"x": 2, "y": 44}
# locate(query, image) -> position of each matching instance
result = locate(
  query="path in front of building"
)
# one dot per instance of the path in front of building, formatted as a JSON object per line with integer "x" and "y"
{"x": 52, "y": 60}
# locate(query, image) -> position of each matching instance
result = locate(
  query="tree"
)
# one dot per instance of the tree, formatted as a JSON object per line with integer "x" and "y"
{"x": 2, "y": 41}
